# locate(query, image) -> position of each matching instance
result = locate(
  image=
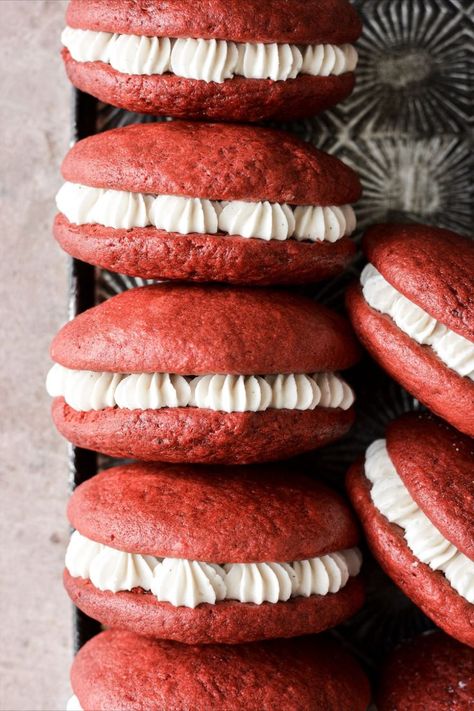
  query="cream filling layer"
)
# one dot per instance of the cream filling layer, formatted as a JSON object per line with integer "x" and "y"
{"x": 391, "y": 497}
{"x": 453, "y": 350}
{"x": 185, "y": 215}
{"x": 86, "y": 390}
{"x": 73, "y": 704}
{"x": 189, "y": 583}
{"x": 208, "y": 60}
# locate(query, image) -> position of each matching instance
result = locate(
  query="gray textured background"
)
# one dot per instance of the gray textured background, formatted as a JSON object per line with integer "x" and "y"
{"x": 35, "y": 649}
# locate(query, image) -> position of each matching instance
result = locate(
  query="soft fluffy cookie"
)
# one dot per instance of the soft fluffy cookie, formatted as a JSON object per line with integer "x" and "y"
{"x": 414, "y": 312}
{"x": 207, "y": 202}
{"x": 122, "y": 671}
{"x": 432, "y": 672}
{"x": 415, "y": 498}
{"x": 243, "y": 61}
{"x": 174, "y": 372}
{"x": 202, "y": 555}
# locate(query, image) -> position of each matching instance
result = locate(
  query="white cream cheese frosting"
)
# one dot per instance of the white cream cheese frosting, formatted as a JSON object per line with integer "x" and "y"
{"x": 391, "y": 497}
{"x": 187, "y": 583}
{"x": 73, "y": 704}
{"x": 453, "y": 350}
{"x": 120, "y": 209}
{"x": 87, "y": 390}
{"x": 208, "y": 60}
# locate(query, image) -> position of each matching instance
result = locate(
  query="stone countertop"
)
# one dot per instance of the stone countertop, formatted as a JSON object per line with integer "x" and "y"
{"x": 36, "y": 629}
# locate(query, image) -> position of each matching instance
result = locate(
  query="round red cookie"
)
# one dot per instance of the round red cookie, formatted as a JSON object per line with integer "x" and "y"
{"x": 433, "y": 268}
{"x": 192, "y": 330}
{"x": 217, "y": 516}
{"x": 306, "y": 22}
{"x": 431, "y": 672}
{"x": 435, "y": 463}
{"x": 120, "y": 670}
{"x": 209, "y": 161}
{"x": 234, "y": 514}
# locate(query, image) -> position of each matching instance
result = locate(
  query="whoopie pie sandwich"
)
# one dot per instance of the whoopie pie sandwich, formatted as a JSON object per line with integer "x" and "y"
{"x": 242, "y": 60}
{"x": 203, "y": 555}
{"x": 207, "y": 202}
{"x": 414, "y": 312}
{"x": 187, "y": 373}
{"x": 125, "y": 672}
{"x": 414, "y": 495}
{"x": 431, "y": 672}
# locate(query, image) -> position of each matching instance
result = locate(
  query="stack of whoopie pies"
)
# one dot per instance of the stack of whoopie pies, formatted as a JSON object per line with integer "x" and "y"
{"x": 214, "y": 566}
{"x": 201, "y": 554}
{"x": 414, "y": 493}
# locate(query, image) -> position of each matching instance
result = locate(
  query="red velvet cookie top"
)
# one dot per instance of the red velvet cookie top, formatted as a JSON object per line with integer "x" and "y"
{"x": 120, "y": 670}
{"x": 432, "y": 672}
{"x": 192, "y": 330}
{"x": 213, "y": 161}
{"x": 298, "y": 21}
{"x": 436, "y": 463}
{"x": 217, "y": 515}
{"x": 432, "y": 267}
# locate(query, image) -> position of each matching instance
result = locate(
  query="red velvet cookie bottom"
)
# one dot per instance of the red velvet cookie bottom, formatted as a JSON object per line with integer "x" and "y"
{"x": 226, "y": 622}
{"x": 427, "y": 588}
{"x": 416, "y": 367}
{"x": 191, "y": 434}
{"x": 155, "y": 254}
{"x": 237, "y": 99}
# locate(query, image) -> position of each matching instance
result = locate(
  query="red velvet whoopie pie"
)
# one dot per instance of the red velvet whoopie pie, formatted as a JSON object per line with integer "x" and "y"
{"x": 123, "y": 671}
{"x": 187, "y": 373}
{"x": 414, "y": 312}
{"x": 207, "y": 555}
{"x": 432, "y": 672}
{"x": 414, "y": 495}
{"x": 207, "y": 202}
{"x": 231, "y": 60}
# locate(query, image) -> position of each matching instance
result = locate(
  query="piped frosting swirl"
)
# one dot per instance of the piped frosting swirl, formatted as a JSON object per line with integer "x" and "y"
{"x": 186, "y": 215}
{"x": 89, "y": 390}
{"x": 391, "y": 497}
{"x": 453, "y": 350}
{"x": 208, "y": 60}
{"x": 187, "y": 583}
{"x": 73, "y": 704}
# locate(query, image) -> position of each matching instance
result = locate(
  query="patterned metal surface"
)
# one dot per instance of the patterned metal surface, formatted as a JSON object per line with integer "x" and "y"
{"x": 407, "y": 131}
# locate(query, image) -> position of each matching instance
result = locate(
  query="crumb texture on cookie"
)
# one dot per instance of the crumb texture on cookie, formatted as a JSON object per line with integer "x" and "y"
{"x": 302, "y": 21}
{"x": 213, "y": 514}
{"x": 301, "y": 674}
{"x": 211, "y": 161}
{"x": 167, "y": 328}
{"x": 432, "y": 671}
